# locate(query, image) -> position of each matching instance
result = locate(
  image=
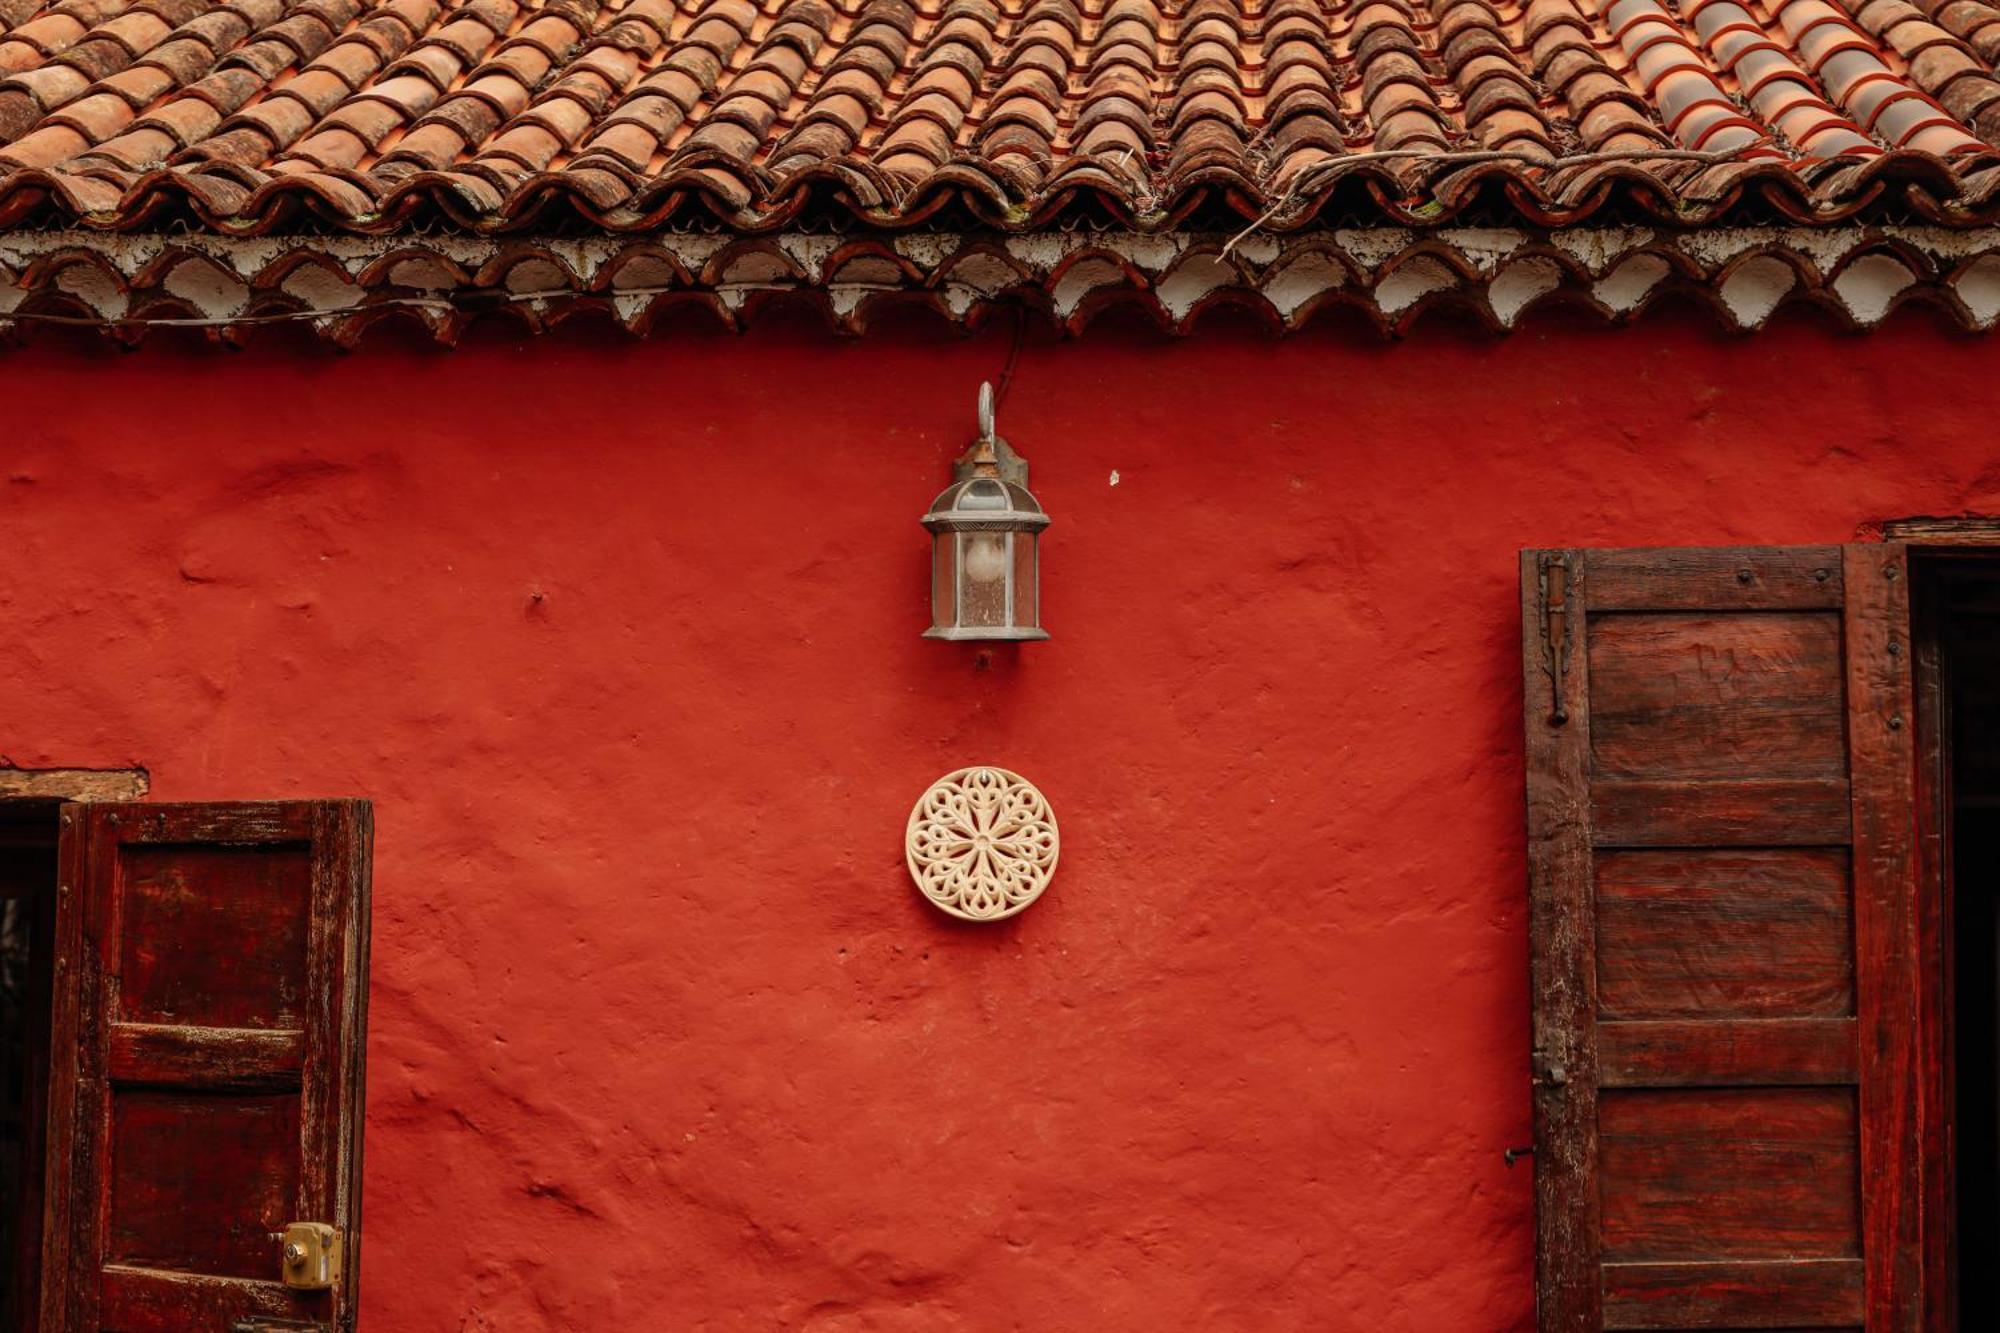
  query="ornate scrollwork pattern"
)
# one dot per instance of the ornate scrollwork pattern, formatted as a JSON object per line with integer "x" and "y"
{"x": 982, "y": 843}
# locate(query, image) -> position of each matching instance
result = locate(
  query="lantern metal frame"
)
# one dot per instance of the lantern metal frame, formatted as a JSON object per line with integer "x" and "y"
{"x": 990, "y": 496}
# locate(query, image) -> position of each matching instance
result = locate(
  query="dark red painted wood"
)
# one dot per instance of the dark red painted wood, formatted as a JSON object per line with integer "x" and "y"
{"x": 1771, "y": 1294}
{"x": 1723, "y": 890}
{"x": 1881, "y": 724}
{"x": 1934, "y": 914}
{"x": 209, "y": 1021}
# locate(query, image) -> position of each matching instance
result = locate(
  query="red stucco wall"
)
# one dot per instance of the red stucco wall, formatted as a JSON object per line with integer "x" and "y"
{"x": 622, "y": 640}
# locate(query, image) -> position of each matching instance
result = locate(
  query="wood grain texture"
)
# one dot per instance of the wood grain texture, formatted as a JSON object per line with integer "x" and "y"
{"x": 1739, "y": 578}
{"x": 1741, "y": 812}
{"x": 73, "y": 784}
{"x": 185, "y": 1144}
{"x": 1704, "y": 1174}
{"x": 206, "y": 1057}
{"x": 1568, "y": 1290}
{"x": 1881, "y": 714}
{"x": 1935, "y": 915}
{"x": 1734, "y": 813}
{"x": 1716, "y": 933}
{"x": 1768, "y": 1294}
{"x": 199, "y": 1183}
{"x": 177, "y": 901}
{"x": 1666, "y": 1053}
{"x": 1943, "y": 531}
{"x": 145, "y": 1298}
{"x": 1690, "y": 696}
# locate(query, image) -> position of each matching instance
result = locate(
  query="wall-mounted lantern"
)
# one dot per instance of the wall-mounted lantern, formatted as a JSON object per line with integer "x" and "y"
{"x": 985, "y": 573}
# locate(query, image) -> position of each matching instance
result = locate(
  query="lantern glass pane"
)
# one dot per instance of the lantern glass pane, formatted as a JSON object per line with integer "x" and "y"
{"x": 944, "y": 579}
{"x": 1027, "y": 592}
{"x": 983, "y": 574}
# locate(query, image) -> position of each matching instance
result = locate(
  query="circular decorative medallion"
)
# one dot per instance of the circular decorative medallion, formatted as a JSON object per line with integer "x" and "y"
{"x": 982, "y": 843}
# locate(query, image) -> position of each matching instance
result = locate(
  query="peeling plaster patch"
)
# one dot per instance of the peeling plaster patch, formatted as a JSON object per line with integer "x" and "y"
{"x": 846, "y": 300}
{"x": 1309, "y": 276}
{"x": 927, "y": 249}
{"x": 1083, "y": 278}
{"x": 583, "y": 255}
{"x": 1753, "y": 290}
{"x": 1149, "y": 253}
{"x": 1258, "y": 249}
{"x": 957, "y": 299}
{"x": 1870, "y": 284}
{"x": 426, "y": 275}
{"x": 629, "y": 306}
{"x": 1824, "y": 249}
{"x": 809, "y": 252}
{"x": 207, "y": 288}
{"x": 1979, "y": 287}
{"x": 1718, "y": 245}
{"x": 11, "y": 295}
{"x": 1485, "y": 247}
{"x": 984, "y": 273}
{"x": 1625, "y": 286}
{"x": 1519, "y": 284}
{"x": 1041, "y": 251}
{"x": 319, "y": 287}
{"x": 1411, "y": 283}
{"x": 692, "y": 251}
{"x": 537, "y": 275}
{"x": 1181, "y": 290}
{"x": 1597, "y": 248}
{"x": 1373, "y": 245}
{"x": 94, "y": 287}
{"x": 1943, "y": 241}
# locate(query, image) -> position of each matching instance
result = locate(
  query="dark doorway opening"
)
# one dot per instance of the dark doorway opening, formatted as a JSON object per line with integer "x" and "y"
{"x": 28, "y": 836}
{"x": 1958, "y": 637}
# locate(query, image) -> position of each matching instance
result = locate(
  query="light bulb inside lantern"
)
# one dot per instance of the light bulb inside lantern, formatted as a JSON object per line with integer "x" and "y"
{"x": 986, "y": 557}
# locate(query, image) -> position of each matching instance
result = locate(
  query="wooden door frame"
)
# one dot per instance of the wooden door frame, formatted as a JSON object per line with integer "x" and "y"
{"x": 45, "y": 789}
{"x": 1934, "y": 542}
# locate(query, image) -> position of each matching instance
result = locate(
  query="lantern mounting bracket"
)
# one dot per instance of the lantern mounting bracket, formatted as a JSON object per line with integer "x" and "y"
{"x": 989, "y": 448}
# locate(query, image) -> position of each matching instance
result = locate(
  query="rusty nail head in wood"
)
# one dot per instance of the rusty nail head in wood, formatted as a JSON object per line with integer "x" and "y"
{"x": 1744, "y": 576}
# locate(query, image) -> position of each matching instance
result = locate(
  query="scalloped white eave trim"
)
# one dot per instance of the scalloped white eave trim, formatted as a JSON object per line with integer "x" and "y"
{"x": 343, "y": 283}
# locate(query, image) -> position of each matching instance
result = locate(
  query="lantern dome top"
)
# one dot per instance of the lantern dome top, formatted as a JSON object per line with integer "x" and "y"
{"x": 985, "y": 504}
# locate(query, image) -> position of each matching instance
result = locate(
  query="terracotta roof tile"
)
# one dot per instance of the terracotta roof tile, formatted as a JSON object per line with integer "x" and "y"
{"x": 629, "y": 115}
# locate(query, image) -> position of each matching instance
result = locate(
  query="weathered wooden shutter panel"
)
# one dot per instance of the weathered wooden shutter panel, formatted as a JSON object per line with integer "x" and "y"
{"x": 210, "y": 1012}
{"x": 1721, "y": 833}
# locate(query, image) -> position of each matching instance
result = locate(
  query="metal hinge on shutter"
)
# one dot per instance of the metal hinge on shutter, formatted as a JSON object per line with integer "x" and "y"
{"x": 1550, "y": 1072}
{"x": 1557, "y": 633}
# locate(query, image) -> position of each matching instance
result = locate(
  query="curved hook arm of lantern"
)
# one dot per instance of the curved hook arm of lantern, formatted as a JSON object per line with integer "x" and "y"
{"x": 987, "y": 426}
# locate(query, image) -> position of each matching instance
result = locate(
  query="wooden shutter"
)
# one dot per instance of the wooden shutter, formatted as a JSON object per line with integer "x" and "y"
{"x": 1720, "y": 797}
{"x": 206, "y": 1091}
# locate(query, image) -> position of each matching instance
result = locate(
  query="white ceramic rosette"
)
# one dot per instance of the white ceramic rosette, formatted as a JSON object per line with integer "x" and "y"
{"x": 982, "y": 843}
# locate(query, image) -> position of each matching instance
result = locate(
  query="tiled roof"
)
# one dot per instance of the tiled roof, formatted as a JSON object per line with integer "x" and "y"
{"x": 491, "y": 115}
